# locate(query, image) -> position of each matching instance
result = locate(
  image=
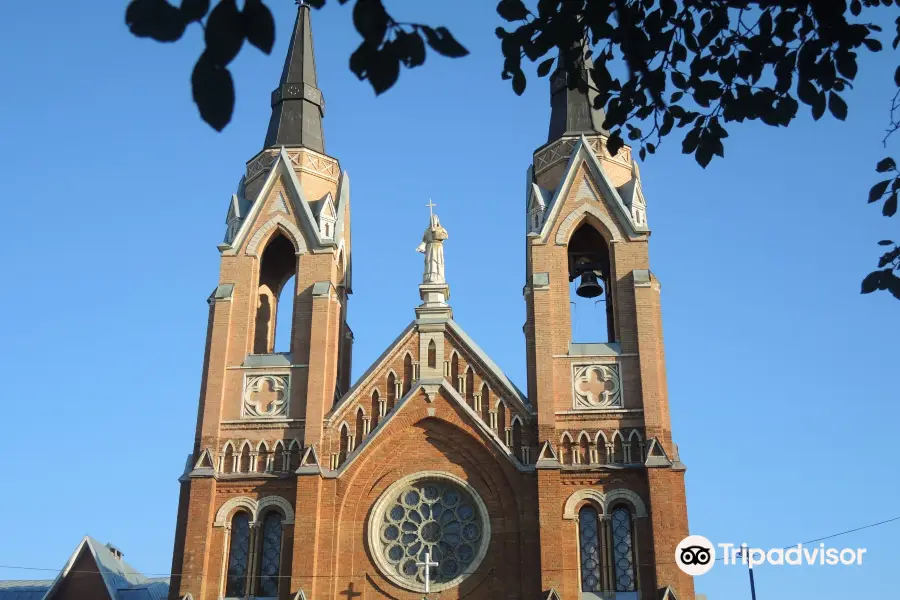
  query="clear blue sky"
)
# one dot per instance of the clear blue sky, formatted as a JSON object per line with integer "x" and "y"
{"x": 781, "y": 376}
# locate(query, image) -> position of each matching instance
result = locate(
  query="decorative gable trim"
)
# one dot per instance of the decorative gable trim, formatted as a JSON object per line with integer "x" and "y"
{"x": 583, "y": 153}
{"x": 656, "y": 455}
{"x": 668, "y": 594}
{"x": 282, "y": 168}
{"x": 309, "y": 462}
{"x": 547, "y": 458}
{"x": 553, "y": 595}
{"x": 299, "y": 595}
{"x": 454, "y": 397}
{"x": 279, "y": 220}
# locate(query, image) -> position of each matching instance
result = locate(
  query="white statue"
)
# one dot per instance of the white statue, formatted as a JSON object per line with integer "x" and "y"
{"x": 432, "y": 247}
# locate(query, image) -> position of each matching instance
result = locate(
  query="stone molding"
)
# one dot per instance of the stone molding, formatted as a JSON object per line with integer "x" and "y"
{"x": 604, "y": 500}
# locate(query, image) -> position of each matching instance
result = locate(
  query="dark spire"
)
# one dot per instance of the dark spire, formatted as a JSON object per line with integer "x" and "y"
{"x": 572, "y": 111}
{"x": 297, "y": 103}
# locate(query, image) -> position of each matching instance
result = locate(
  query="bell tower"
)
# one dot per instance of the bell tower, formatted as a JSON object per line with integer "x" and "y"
{"x": 285, "y": 257}
{"x": 596, "y": 365}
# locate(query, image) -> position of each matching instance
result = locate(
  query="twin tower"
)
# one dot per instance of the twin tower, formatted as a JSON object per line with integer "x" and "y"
{"x": 433, "y": 475}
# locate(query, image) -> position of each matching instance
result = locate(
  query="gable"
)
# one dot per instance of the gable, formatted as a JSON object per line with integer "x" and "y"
{"x": 587, "y": 186}
{"x": 80, "y": 579}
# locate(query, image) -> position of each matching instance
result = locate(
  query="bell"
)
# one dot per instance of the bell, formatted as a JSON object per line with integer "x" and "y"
{"x": 589, "y": 286}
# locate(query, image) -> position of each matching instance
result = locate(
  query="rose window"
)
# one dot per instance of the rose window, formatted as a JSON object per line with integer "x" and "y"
{"x": 435, "y": 517}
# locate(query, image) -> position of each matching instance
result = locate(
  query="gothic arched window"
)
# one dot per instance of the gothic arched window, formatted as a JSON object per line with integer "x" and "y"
{"x": 407, "y": 373}
{"x": 470, "y": 387}
{"x": 432, "y": 355}
{"x": 360, "y": 425}
{"x": 623, "y": 550}
{"x": 589, "y": 546}
{"x": 238, "y": 556}
{"x": 278, "y": 267}
{"x": 269, "y": 564}
{"x": 454, "y": 372}
{"x": 391, "y": 392}
{"x": 590, "y": 278}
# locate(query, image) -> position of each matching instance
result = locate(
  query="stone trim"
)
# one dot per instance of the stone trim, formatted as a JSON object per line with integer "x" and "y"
{"x": 604, "y": 500}
{"x": 278, "y": 220}
{"x": 256, "y": 508}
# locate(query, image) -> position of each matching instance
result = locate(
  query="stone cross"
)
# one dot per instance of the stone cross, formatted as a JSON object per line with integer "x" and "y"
{"x": 266, "y": 397}
{"x": 427, "y": 564}
{"x": 431, "y": 206}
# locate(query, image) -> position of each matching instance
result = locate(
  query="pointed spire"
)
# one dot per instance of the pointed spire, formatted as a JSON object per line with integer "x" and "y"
{"x": 572, "y": 110}
{"x": 297, "y": 103}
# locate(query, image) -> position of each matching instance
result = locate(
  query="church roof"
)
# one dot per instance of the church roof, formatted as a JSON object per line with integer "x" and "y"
{"x": 122, "y": 581}
{"x": 297, "y": 103}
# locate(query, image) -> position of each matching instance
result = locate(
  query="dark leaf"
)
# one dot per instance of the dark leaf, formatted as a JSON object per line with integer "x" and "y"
{"x": 872, "y": 282}
{"x": 443, "y": 42}
{"x": 872, "y": 44}
{"x": 370, "y": 20}
{"x": 512, "y": 10}
{"x": 885, "y": 243}
{"x": 362, "y": 57}
{"x": 689, "y": 144}
{"x": 890, "y": 205}
{"x": 408, "y": 48}
{"x": 837, "y": 106}
{"x": 643, "y": 153}
{"x": 846, "y": 64}
{"x": 889, "y": 257}
{"x": 885, "y": 165}
{"x": 544, "y": 68}
{"x": 818, "y": 108}
{"x": 213, "y": 91}
{"x": 518, "y": 82}
{"x": 614, "y": 143}
{"x": 194, "y": 10}
{"x": 224, "y": 33}
{"x": 878, "y": 190}
{"x": 855, "y": 7}
{"x": 155, "y": 19}
{"x": 897, "y": 76}
{"x": 807, "y": 92}
{"x": 259, "y": 25}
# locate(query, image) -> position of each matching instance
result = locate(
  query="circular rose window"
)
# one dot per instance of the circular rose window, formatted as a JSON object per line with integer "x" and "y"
{"x": 429, "y": 515}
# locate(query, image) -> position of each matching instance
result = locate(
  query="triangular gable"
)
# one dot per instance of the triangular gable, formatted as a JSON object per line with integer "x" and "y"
{"x": 299, "y": 595}
{"x": 281, "y": 169}
{"x": 583, "y": 153}
{"x": 547, "y": 458}
{"x": 309, "y": 462}
{"x": 279, "y": 205}
{"x": 115, "y": 573}
{"x": 667, "y": 594}
{"x": 490, "y": 366}
{"x": 656, "y": 455}
{"x": 430, "y": 387}
{"x": 205, "y": 461}
{"x": 553, "y": 595}
{"x": 327, "y": 210}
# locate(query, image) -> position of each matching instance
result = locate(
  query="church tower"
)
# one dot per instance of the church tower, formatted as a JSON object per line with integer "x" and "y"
{"x": 286, "y": 254}
{"x": 433, "y": 475}
{"x": 596, "y": 367}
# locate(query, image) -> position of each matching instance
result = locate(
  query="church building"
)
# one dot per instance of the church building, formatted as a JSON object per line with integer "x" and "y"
{"x": 433, "y": 475}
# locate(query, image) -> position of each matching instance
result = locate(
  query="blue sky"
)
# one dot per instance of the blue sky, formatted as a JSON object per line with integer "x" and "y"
{"x": 115, "y": 198}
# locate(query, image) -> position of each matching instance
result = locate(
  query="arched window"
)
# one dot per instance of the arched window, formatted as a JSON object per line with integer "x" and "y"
{"x": 238, "y": 556}
{"x": 623, "y": 549}
{"x": 565, "y": 450}
{"x": 262, "y": 458}
{"x": 517, "y": 437}
{"x": 501, "y": 421}
{"x": 296, "y": 454}
{"x": 278, "y": 457}
{"x": 618, "y": 449}
{"x": 601, "y": 448}
{"x": 278, "y": 265}
{"x": 590, "y": 291}
{"x": 376, "y": 406}
{"x": 589, "y": 545}
{"x": 470, "y": 387}
{"x": 228, "y": 462}
{"x": 244, "y": 463}
{"x": 432, "y": 355}
{"x": 360, "y": 426}
{"x": 391, "y": 392}
{"x": 407, "y": 374}
{"x": 584, "y": 449}
{"x": 269, "y": 563}
{"x": 637, "y": 452}
{"x": 345, "y": 443}
{"x": 486, "y": 403}
{"x": 454, "y": 372}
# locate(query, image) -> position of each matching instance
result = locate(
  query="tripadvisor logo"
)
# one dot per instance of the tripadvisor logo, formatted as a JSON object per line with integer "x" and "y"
{"x": 696, "y": 555}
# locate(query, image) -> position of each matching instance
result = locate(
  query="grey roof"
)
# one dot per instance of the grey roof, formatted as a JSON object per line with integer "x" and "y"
{"x": 122, "y": 581}
{"x": 297, "y": 104}
{"x": 24, "y": 590}
{"x": 571, "y": 104}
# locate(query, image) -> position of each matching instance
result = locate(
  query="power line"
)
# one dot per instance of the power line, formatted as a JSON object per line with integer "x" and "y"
{"x": 819, "y": 539}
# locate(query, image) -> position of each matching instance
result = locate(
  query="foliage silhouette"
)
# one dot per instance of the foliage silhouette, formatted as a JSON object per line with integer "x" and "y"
{"x": 658, "y": 65}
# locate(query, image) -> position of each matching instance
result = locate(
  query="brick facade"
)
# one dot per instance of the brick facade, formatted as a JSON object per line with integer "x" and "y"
{"x": 286, "y": 434}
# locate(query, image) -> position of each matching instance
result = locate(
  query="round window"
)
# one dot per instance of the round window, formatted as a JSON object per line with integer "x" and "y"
{"x": 433, "y": 518}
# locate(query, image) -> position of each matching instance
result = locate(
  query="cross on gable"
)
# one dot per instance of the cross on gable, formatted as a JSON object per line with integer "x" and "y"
{"x": 596, "y": 385}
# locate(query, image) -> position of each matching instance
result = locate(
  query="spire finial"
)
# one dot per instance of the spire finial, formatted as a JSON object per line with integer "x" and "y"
{"x": 431, "y": 206}
{"x": 572, "y": 108}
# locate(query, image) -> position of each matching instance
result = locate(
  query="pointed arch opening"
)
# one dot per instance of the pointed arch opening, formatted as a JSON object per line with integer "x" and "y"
{"x": 636, "y": 447}
{"x": 407, "y": 373}
{"x": 454, "y": 372}
{"x": 618, "y": 449}
{"x": 244, "y": 462}
{"x": 275, "y": 300}
{"x": 278, "y": 462}
{"x": 432, "y": 355}
{"x": 295, "y": 454}
{"x": 262, "y": 458}
{"x": 344, "y": 444}
{"x": 470, "y": 387}
{"x": 590, "y": 290}
{"x": 360, "y": 425}
{"x": 584, "y": 448}
{"x": 376, "y": 407}
{"x": 517, "y": 436}
{"x": 566, "y": 455}
{"x": 228, "y": 458}
{"x": 485, "y": 403}
{"x": 501, "y": 421}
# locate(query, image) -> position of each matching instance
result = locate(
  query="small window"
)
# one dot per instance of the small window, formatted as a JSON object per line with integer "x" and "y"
{"x": 270, "y": 556}
{"x": 238, "y": 556}
{"x": 589, "y": 541}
